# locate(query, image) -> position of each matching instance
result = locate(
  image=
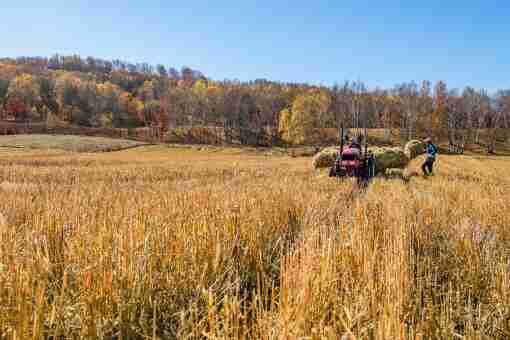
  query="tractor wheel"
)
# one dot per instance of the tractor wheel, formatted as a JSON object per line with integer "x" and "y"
{"x": 332, "y": 171}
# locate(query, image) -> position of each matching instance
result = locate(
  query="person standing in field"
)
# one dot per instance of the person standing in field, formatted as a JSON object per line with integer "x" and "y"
{"x": 431, "y": 158}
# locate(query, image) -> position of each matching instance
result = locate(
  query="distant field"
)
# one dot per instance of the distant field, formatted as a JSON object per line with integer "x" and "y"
{"x": 66, "y": 142}
{"x": 174, "y": 242}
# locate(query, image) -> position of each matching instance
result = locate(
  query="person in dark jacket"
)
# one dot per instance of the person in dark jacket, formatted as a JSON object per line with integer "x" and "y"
{"x": 431, "y": 158}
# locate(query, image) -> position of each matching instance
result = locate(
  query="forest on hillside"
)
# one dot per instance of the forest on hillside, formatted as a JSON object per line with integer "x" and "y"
{"x": 92, "y": 92}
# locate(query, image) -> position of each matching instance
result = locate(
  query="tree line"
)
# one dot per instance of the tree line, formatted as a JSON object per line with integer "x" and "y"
{"x": 96, "y": 92}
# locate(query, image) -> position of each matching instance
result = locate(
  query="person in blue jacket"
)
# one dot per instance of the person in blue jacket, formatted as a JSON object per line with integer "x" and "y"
{"x": 431, "y": 158}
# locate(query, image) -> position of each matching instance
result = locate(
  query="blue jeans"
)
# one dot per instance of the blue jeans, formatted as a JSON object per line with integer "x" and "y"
{"x": 428, "y": 165}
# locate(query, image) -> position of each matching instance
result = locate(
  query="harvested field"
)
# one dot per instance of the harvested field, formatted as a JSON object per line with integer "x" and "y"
{"x": 177, "y": 243}
{"x": 66, "y": 142}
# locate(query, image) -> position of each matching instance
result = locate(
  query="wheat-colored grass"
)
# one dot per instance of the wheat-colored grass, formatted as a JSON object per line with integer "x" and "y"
{"x": 66, "y": 142}
{"x": 169, "y": 243}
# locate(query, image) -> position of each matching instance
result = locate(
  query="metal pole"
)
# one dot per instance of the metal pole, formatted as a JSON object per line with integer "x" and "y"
{"x": 342, "y": 141}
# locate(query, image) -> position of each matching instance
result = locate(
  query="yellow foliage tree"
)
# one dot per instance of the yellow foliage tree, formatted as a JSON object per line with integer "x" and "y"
{"x": 296, "y": 125}
{"x": 284, "y": 125}
{"x": 440, "y": 108}
{"x": 24, "y": 88}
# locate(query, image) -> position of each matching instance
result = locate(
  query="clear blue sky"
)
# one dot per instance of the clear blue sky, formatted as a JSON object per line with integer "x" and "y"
{"x": 381, "y": 42}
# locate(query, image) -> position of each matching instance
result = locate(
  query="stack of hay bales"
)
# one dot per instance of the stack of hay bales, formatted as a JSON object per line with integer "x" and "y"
{"x": 326, "y": 158}
{"x": 304, "y": 152}
{"x": 414, "y": 148}
{"x": 396, "y": 173}
{"x": 385, "y": 158}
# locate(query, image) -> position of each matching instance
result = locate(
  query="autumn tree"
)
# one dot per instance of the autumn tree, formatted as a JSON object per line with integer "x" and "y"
{"x": 454, "y": 121}
{"x": 409, "y": 101}
{"x": 17, "y": 108}
{"x": 67, "y": 92}
{"x": 425, "y": 124}
{"x": 439, "y": 115}
{"x": 284, "y": 127}
{"x": 4, "y": 86}
{"x": 179, "y": 106}
{"x": 48, "y": 95}
{"x": 304, "y": 117}
{"x": 247, "y": 109}
{"x": 391, "y": 114}
{"x": 200, "y": 101}
{"x": 108, "y": 101}
{"x": 232, "y": 104}
{"x": 130, "y": 108}
{"x": 147, "y": 92}
{"x": 23, "y": 93}
{"x": 494, "y": 119}
{"x": 340, "y": 105}
{"x": 484, "y": 112}
{"x": 503, "y": 122}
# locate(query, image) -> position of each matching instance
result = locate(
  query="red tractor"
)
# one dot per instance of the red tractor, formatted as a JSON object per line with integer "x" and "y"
{"x": 353, "y": 161}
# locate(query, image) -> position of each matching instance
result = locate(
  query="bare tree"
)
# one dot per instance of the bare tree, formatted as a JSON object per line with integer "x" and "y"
{"x": 484, "y": 107}
{"x": 471, "y": 103}
{"x": 498, "y": 118}
{"x": 379, "y": 103}
{"x": 425, "y": 108}
{"x": 341, "y": 105}
{"x": 455, "y": 118}
{"x": 408, "y": 93}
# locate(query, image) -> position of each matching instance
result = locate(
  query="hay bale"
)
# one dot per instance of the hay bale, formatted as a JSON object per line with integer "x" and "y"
{"x": 52, "y": 120}
{"x": 395, "y": 173}
{"x": 386, "y": 158}
{"x": 326, "y": 158}
{"x": 414, "y": 148}
{"x": 304, "y": 152}
{"x": 403, "y": 174}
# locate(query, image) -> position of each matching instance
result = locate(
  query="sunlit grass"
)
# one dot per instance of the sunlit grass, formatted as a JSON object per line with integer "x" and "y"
{"x": 161, "y": 242}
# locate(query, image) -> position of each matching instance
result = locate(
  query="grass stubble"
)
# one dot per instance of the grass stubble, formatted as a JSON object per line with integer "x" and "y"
{"x": 159, "y": 243}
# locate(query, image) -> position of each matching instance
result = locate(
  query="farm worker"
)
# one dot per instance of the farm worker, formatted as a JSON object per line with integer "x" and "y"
{"x": 356, "y": 142}
{"x": 431, "y": 158}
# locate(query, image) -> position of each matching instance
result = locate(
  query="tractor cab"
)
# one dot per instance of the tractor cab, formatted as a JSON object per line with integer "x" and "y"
{"x": 350, "y": 159}
{"x": 353, "y": 161}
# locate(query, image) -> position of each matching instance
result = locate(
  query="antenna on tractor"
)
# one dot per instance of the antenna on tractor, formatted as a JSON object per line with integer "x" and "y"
{"x": 341, "y": 139}
{"x": 366, "y": 139}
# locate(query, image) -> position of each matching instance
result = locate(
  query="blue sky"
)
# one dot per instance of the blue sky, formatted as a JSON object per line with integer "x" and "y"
{"x": 323, "y": 42}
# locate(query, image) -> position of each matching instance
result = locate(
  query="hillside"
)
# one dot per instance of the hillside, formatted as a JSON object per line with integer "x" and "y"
{"x": 92, "y": 92}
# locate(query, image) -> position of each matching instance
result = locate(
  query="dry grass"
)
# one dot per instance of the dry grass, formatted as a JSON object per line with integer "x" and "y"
{"x": 66, "y": 142}
{"x": 160, "y": 242}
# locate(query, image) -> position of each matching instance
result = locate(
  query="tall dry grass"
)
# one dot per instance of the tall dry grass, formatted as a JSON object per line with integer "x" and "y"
{"x": 179, "y": 244}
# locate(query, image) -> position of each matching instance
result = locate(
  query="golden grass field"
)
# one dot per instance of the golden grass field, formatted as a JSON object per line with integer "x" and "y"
{"x": 66, "y": 142}
{"x": 175, "y": 243}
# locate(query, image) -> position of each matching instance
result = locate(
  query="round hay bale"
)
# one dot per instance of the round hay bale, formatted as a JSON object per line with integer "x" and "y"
{"x": 395, "y": 173}
{"x": 402, "y": 174}
{"x": 304, "y": 152}
{"x": 414, "y": 148}
{"x": 326, "y": 158}
{"x": 52, "y": 120}
{"x": 386, "y": 158}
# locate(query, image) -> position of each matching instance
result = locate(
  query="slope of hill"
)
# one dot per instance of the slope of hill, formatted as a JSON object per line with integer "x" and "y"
{"x": 67, "y": 143}
{"x": 98, "y": 93}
